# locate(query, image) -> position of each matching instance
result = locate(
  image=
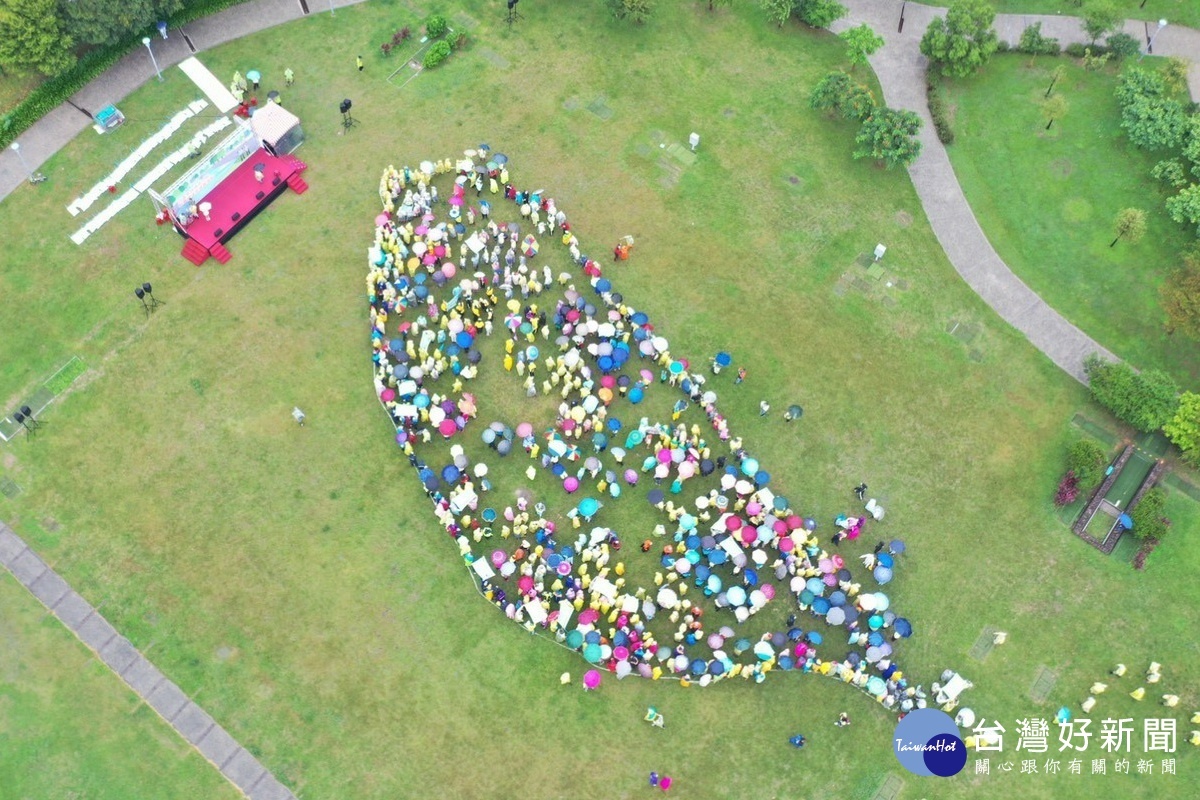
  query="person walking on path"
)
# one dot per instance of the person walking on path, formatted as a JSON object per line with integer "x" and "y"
{"x": 359, "y": 63}
{"x": 764, "y": 408}
{"x": 298, "y": 415}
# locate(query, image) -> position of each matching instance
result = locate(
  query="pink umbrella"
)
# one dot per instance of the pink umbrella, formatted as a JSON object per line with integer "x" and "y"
{"x": 447, "y": 428}
{"x": 456, "y": 199}
{"x": 794, "y": 522}
{"x": 591, "y": 679}
{"x": 429, "y": 258}
{"x": 838, "y": 561}
{"x": 786, "y": 545}
{"x": 588, "y": 616}
{"x": 387, "y": 395}
{"x": 571, "y": 484}
{"x": 439, "y": 251}
{"x": 631, "y": 477}
{"x": 646, "y": 375}
{"x": 449, "y": 270}
{"x": 768, "y": 591}
{"x": 825, "y": 565}
{"x": 382, "y": 219}
{"x": 753, "y": 509}
{"x": 749, "y": 535}
{"x": 568, "y": 424}
{"x": 524, "y": 429}
{"x": 830, "y": 579}
{"x": 498, "y": 558}
{"x": 421, "y": 230}
{"x": 429, "y": 217}
{"x": 734, "y": 523}
{"x": 664, "y": 456}
{"x": 608, "y": 381}
{"x": 780, "y": 527}
{"x": 525, "y": 584}
{"x": 621, "y": 653}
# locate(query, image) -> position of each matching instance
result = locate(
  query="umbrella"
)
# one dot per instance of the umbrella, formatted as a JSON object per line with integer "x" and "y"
{"x": 896, "y": 547}
{"x": 903, "y": 627}
{"x": 883, "y": 574}
{"x": 591, "y": 678}
{"x": 500, "y": 159}
{"x": 655, "y": 496}
{"x": 588, "y": 506}
{"x": 795, "y": 411}
{"x": 836, "y": 616}
{"x": 723, "y": 359}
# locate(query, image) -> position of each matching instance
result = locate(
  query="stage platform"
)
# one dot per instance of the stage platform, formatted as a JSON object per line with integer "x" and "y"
{"x": 236, "y": 200}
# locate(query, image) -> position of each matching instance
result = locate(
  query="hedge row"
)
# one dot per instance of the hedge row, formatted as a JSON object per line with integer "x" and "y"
{"x": 56, "y": 90}
{"x": 937, "y": 108}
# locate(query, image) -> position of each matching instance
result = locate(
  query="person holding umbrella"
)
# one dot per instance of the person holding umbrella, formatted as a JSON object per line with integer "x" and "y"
{"x": 797, "y": 741}
{"x": 793, "y": 412}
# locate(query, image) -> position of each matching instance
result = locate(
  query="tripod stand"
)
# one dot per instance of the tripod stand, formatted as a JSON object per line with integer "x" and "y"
{"x": 348, "y": 121}
{"x": 513, "y": 15}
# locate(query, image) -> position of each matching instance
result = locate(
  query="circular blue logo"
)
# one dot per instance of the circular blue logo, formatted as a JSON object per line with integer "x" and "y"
{"x": 926, "y": 742}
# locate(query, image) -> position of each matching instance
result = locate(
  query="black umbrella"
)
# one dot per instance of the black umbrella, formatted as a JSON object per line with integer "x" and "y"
{"x": 655, "y": 496}
{"x": 707, "y": 467}
{"x": 474, "y": 356}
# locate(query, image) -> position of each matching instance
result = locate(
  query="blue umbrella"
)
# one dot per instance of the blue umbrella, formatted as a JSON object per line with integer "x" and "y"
{"x": 896, "y": 547}
{"x": 723, "y": 359}
{"x": 588, "y": 506}
{"x": 883, "y": 574}
{"x": 450, "y": 473}
{"x": 885, "y": 560}
{"x": 1126, "y": 522}
{"x": 814, "y": 637}
{"x": 1063, "y": 715}
{"x": 875, "y": 639}
{"x": 699, "y": 667}
{"x": 821, "y": 606}
{"x": 903, "y": 627}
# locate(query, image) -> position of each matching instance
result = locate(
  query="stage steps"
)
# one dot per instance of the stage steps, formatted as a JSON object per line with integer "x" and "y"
{"x": 220, "y": 253}
{"x": 195, "y": 252}
{"x": 298, "y": 184}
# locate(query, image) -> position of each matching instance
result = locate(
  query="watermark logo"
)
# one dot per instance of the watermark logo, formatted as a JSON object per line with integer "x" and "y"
{"x": 926, "y": 742}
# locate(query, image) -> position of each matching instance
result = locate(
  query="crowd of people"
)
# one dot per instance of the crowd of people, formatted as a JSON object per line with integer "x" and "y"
{"x": 448, "y": 269}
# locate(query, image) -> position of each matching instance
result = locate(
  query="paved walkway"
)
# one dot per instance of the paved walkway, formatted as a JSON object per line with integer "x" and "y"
{"x": 901, "y": 71}
{"x": 189, "y": 720}
{"x": 52, "y": 132}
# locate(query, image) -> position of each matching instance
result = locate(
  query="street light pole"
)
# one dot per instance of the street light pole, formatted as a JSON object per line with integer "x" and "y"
{"x": 16, "y": 148}
{"x": 153, "y": 60}
{"x": 1162, "y": 23}
{"x": 331, "y": 8}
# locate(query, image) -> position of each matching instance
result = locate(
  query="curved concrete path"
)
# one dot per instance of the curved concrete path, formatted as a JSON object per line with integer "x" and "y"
{"x": 900, "y": 68}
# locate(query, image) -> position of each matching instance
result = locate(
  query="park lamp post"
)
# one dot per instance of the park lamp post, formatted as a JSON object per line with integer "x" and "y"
{"x": 331, "y": 8}
{"x": 1162, "y": 23}
{"x": 153, "y": 60}
{"x": 16, "y": 148}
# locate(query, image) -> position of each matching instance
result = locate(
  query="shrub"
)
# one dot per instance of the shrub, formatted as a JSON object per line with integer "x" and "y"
{"x": 1093, "y": 61}
{"x": 1086, "y": 460}
{"x": 1146, "y": 400}
{"x": 1148, "y": 519}
{"x": 637, "y": 10}
{"x": 818, "y": 13}
{"x": 1068, "y": 490}
{"x": 1036, "y": 44}
{"x": 1075, "y": 50}
{"x": 1151, "y": 117}
{"x": 838, "y": 93}
{"x": 436, "y": 54}
{"x": 889, "y": 135}
{"x": 1123, "y": 46}
{"x": 1184, "y": 429}
{"x": 1171, "y": 172}
{"x": 938, "y": 109}
{"x": 435, "y": 26}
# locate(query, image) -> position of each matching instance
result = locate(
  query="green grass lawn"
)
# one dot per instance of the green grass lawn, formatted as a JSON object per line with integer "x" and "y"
{"x": 293, "y": 579}
{"x": 1047, "y": 200}
{"x": 70, "y": 728}
{"x": 1181, "y": 12}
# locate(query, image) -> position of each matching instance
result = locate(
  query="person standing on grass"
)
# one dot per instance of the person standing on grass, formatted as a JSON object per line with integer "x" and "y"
{"x": 741, "y": 375}
{"x": 359, "y": 63}
{"x": 860, "y": 490}
{"x": 298, "y": 415}
{"x": 289, "y": 77}
{"x": 843, "y": 720}
{"x": 764, "y": 408}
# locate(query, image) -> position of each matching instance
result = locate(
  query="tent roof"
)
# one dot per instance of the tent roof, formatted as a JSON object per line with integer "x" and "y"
{"x": 272, "y": 121}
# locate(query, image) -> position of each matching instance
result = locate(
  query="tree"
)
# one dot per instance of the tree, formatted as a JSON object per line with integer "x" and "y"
{"x": 1191, "y": 144}
{"x": 32, "y": 37}
{"x": 1146, "y": 400}
{"x": 963, "y": 40}
{"x": 637, "y": 10}
{"x": 1149, "y": 522}
{"x": 1123, "y": 46}
{"x": 778, "y": 11}
{"x": 1086, "y": 460}
{"x": 109, "y": 21}
{"x": 1171, "y": 172}
{"x": 1185, "y": 206}
{"x": 1180, "y": 295}
{"x": 836, "y": 92}
{"x": 1054, "y": 108}
{"x": 1152, "y": 119}
{"x": 1184, "y": 429}
{"x": 890, "y": 136}
{"x": 818, "y": 13}
{"x": 1129, "y": 224}
{"x": 1175, "y": 74}
{"x": 1035, "y": 43}
{"x": 861, "y": 42}
{"x": 1101, "y": 17}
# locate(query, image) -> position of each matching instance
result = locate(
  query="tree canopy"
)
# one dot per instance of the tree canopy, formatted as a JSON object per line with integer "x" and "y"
{"x": 963, "y": 40}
